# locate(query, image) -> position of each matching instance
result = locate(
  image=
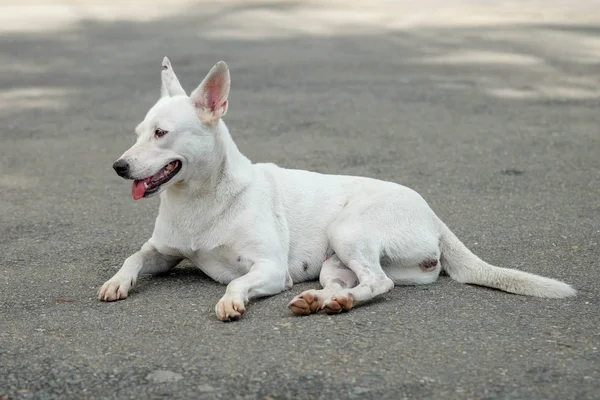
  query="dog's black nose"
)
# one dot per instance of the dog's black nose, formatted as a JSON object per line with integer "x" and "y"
{"x": 121, "y": 167}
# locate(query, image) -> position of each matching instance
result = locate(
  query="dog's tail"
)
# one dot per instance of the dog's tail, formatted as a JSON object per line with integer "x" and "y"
{"x": 465, "y": 267}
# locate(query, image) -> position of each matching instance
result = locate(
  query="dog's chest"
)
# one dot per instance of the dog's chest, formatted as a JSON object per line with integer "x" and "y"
{"x": 222, "y": 263}
{"x": 201, "y": 242}
{"x": 186, "y": 229}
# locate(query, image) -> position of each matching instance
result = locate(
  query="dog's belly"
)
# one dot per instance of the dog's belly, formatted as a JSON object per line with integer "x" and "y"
{"x": 307, "y": 269}
{"x": 223, "y": 266}
{"x": 306, "y": 257}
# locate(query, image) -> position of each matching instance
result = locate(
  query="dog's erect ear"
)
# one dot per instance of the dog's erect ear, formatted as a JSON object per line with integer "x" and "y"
{"x": 210, "y": 98}
{"x": 163, "y": 90}
{"x": 170, "y": 83}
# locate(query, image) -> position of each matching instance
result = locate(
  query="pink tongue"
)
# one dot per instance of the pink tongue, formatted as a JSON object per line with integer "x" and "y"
{"x": 138, "y": 190}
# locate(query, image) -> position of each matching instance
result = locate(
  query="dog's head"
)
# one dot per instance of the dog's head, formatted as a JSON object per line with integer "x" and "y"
{"x": 177, "y": 138}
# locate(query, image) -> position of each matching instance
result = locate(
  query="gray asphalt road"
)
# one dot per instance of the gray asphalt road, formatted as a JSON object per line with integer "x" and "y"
{"x": 495, "y": 124}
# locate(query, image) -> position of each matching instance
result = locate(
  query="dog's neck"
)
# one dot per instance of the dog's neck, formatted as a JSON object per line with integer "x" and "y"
{"x": 231, "y": 173}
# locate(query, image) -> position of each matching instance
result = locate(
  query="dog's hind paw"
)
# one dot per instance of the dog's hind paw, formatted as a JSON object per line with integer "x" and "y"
{"x": 337, "y": 304}
{"x": 230, "y": 308}
{"x": 304, "y": 304}
{"x": 115, "y": 289}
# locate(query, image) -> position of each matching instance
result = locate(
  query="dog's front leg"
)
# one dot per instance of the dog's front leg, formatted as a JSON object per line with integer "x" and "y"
{"x": 146, "y": 261}
{"x": 265, "y": 278}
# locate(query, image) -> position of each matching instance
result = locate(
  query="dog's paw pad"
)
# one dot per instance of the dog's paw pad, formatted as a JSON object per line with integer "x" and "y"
{"x": 304, "y": 304}
{"x": 338, "y": 304}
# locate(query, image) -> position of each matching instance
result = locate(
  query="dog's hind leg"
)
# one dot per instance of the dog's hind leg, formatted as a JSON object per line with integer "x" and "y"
{"x": 146, "y": 261}
{"x": 334, "y": 277}
{"x": 372, "y": 283}
{"x": 357, "y": 237}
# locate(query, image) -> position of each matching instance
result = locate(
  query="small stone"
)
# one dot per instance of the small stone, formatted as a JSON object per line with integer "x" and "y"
{"x": 205, "y": 388}
{"x": 160, "y": 376}
{"x": 361, "y": 390}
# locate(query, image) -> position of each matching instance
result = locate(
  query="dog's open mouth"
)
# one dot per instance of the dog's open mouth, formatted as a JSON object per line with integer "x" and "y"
{"x": 147, "y": 187}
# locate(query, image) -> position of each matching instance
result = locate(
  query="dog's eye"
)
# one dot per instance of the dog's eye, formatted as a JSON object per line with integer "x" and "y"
{"x": 159, "y": 132}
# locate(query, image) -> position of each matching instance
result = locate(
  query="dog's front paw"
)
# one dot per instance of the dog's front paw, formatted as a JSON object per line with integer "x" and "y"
{"x": 116, "y": 288}
{"x": 230, "y": 308}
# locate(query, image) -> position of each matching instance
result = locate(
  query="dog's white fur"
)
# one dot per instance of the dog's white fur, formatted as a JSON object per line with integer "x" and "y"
{"x": 260, "y": 228}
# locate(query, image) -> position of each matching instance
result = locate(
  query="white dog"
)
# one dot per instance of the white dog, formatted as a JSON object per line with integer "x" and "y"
{"x": 259, "y": 228}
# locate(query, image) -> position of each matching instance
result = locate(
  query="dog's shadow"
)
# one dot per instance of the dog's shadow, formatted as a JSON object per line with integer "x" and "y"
{"x": 188, "y": 276}
{"x": 184, "y": 275}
